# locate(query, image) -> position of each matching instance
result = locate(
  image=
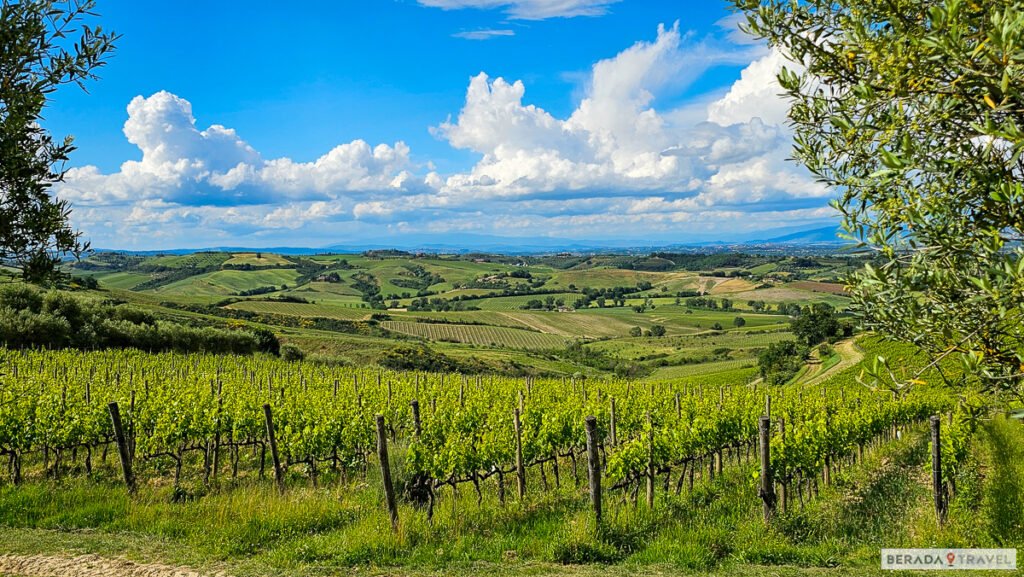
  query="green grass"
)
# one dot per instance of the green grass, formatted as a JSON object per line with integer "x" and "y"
{"x": 988, "y": 506}
{"x": 831, "y": 361}
{"x": 121, "y": 280}
{"x": 1005, "y": 495}
{"x": 691, "y": 345}
{"x": 194, "y": 260}
{"x": 516, "y": 303}
{"x": 764, "y": 268}
{"x": 682, "y": 320}
{"x": 494, "y": 318}
{"x": 738, "y": 368}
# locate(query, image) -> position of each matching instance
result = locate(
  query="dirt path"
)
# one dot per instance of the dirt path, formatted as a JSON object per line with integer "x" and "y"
{"x": 850, "y": 355}
{"x": 89, "y": 566}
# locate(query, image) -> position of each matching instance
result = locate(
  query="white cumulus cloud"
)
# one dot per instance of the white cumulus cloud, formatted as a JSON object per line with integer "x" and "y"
{"x": 189, "y": 166}
{"x": 620, "y": 164}
{"x": 530, "y": 9}
{"x": 618, "y": 143}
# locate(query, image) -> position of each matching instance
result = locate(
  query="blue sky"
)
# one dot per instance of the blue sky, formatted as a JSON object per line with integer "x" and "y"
{"x": 268, "y": 125}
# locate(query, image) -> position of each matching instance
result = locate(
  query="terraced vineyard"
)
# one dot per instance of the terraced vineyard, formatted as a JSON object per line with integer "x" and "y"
{"x": 478, "y": 335}
{"x": 229, "y": 282}
{"x": 334, "y": 311}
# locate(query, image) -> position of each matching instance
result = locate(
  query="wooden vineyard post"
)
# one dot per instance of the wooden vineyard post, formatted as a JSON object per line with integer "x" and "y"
{"x": 767, "y": 490}
{"x": 385, "y": 470}
{"x": 611, "y": 428}
{"x": 122, "y": 446}
{"x": 594, "y": 467}
{"x": 650, "y": 463}
{"x": 416, "y": 427}
{"x": 783, "y": 492}
{"x": 88, "y": 449}
{"x": 520, "y": 469}
{"x": 938, "y": 489}
{"x": 272, "y": 439}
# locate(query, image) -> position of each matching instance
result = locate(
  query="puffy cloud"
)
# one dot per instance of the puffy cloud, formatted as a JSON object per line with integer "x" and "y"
{"x": 618, "y": 165}
{"x": 616, "y": 143}
{"x": 530, "y": 9}
{"x": 188, "y": 166}
{"x": 754, "y": 95}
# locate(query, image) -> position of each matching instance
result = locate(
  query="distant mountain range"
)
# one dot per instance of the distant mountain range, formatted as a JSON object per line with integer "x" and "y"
{"x": 825, "y": 235}
{"x": 825, "y": 238}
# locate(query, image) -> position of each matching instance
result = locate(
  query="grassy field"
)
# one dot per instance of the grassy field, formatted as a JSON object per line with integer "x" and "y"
{"x": 734, "y": 367}
{"x": 326, "y": 292}
{"x": 815, "y": 286}
{"x": 732, "y": 285}
{"x": 571, "y": 324}
{"x": 194, "y": 260}
{"x": 635, "y": 347}
{"x": 516, "y": 303}
{"x": 788, "y": 294}
{"x": 121, "y": 280}
{"x": 257, "y": 259}
{"x": 611, "y": 277}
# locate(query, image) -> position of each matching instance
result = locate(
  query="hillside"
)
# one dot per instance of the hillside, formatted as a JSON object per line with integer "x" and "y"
{"x": 648, "y": 315}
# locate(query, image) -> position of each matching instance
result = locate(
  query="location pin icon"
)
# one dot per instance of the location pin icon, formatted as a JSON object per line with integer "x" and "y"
{"x": 950, "y": 557}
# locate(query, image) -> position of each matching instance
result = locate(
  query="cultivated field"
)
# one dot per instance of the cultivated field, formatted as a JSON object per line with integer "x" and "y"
{"x": 478, "y": 335}
{"x": 353, "y": 313}
{"x": 352, "y": 287}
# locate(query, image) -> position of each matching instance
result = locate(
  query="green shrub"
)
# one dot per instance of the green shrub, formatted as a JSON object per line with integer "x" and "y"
{"x": 292, "y": 353}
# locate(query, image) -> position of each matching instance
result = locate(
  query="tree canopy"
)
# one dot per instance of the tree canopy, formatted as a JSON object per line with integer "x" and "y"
{"x": 44, "y": 44}
{"x": 912, "y": 110}
{"x": 816, "y": 324}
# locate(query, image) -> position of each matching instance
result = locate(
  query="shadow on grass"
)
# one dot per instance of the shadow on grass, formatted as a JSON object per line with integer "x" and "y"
{"x": 867, "y": 506}
{"x": 1005, "y": 495}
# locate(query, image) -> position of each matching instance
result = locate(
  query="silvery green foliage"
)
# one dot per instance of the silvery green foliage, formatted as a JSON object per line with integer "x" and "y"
{"x": 912, "y": 110}
{"x": 44, "y": 44}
